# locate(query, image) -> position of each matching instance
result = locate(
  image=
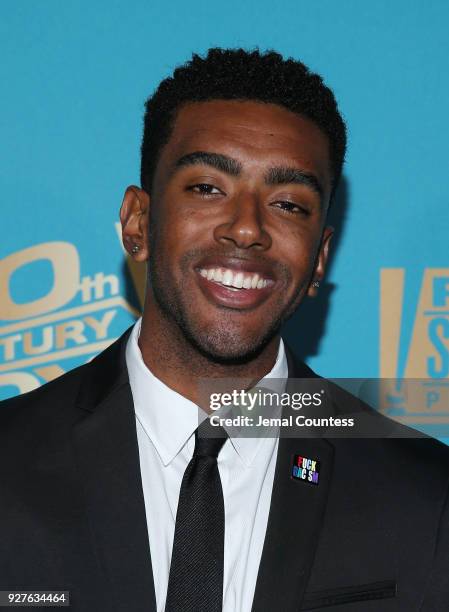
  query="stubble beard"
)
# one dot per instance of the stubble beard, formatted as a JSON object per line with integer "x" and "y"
{"x": 221, "y": 344}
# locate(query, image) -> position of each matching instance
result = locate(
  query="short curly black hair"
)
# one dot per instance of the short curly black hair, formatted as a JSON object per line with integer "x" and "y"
{"x": 238, "y": 74}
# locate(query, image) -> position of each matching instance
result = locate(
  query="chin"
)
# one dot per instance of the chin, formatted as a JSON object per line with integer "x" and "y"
{"x": 220, "y": 339}
{"x": 228, "y": 348}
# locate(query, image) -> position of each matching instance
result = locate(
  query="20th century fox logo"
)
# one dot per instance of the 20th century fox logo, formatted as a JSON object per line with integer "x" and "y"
{"x": 77, "y": 317}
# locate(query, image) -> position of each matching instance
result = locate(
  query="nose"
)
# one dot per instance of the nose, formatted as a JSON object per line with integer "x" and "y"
{"x": 244, "y": 227}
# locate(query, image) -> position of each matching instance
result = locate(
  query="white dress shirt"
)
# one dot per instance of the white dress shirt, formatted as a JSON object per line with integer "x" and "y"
{"x": 166, "y": 422}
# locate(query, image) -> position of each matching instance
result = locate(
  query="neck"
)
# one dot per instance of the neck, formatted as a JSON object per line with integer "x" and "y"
{"x": 172, "y": 358}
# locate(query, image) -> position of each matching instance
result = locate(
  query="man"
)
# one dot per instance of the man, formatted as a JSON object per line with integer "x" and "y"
{"x": 108, "y": 491}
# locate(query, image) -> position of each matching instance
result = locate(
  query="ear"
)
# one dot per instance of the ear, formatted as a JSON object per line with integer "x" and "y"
{"x": 134, "y": 214}
{"x": 321, "y": 261}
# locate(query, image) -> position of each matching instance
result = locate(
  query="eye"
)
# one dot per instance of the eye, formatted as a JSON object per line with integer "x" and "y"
{"x": 205, "y": 189}
{"x": 291, "y": 208}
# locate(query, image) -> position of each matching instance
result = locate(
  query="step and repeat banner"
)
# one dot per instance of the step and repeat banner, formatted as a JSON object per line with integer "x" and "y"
{"x": 76, "y": 75}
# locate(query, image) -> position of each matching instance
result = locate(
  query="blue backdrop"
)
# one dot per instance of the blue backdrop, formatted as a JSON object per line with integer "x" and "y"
{"x": 75, "y": 76}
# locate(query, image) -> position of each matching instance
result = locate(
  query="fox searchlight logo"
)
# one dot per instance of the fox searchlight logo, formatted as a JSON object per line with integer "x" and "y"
{"x": 414, "y": 344}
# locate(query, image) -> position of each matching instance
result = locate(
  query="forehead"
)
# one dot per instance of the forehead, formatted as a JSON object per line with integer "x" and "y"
{"x": 253, "y": 132}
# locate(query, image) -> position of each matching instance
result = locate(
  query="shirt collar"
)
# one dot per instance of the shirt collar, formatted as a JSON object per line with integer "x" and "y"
{"x": 168, "y": 418}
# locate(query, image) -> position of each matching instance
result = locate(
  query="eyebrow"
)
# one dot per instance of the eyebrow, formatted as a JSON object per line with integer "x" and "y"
{"x": 274, "y": 176}
{"x": 223, "y": 163}
{"x": 283, "y": 176}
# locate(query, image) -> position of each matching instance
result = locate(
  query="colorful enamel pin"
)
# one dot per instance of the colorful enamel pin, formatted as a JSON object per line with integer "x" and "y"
{"x": 305, "y": 469}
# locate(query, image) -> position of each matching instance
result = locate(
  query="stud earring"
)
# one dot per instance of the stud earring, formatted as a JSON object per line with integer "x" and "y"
{"x": 316, "y": 284}
{"x": 135, "y": 248}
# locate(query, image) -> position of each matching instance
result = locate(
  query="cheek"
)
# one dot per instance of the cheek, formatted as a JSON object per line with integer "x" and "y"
{"x": 297, "y": 252}
{"x": 178, "y": 240}
{"x": 171, "y": 228}
{"x": 184, "y": 221}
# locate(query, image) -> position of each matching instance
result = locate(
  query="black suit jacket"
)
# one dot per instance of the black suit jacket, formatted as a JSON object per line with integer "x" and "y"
{"x": 373, "y": 535}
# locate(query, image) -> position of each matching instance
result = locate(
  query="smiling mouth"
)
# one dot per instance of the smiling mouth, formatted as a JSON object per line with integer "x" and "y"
{"x": 235, "y": 287}
{"x": 234, "y": 280}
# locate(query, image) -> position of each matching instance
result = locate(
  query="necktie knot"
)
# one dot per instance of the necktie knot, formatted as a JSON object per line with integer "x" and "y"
{"x": 209, "y": 440}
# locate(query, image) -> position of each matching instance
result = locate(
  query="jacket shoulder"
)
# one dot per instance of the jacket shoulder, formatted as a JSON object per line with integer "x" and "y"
{"x": 401, "y": 443}
{"x": 58, "y": 393}
{"x": 86, "y": 382}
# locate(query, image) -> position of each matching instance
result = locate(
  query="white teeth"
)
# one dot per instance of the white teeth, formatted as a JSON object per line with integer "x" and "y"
{"x": 238, "y": 280}
{"x": 234, "y": 280}
{"x": 227, "y": 278}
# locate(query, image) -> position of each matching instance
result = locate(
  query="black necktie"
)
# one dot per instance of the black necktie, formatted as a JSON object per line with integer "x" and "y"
{"x": 195, "y": 582}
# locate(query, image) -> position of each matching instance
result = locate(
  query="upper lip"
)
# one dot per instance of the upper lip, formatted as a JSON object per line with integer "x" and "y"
{"x": 238, "y": 264}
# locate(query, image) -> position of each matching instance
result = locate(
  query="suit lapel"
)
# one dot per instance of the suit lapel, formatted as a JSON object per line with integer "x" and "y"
{"x": 106, "y": 452}
{"x": 295, "y": 519}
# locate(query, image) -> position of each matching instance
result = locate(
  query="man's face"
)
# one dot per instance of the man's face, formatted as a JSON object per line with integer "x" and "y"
{"x": 237, "y": 216}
